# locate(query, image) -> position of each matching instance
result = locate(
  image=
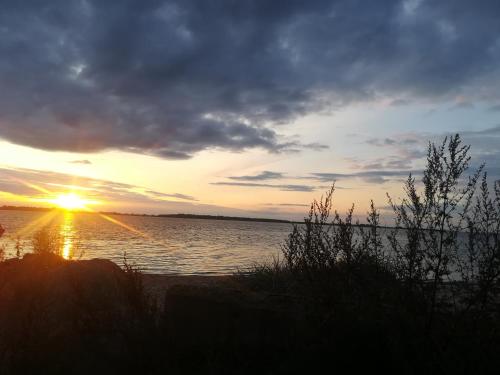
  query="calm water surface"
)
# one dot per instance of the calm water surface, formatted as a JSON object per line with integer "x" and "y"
{"x": 157, "y": 245}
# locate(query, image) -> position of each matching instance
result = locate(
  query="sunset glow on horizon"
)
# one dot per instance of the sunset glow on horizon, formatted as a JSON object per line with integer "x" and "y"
{"x": 245, "y": 129}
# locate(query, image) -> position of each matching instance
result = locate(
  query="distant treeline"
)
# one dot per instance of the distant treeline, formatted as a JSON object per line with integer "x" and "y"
{"x": 217, "y": 217}
{"x": 21, "y": 208}
{"x": 178, "y": 216}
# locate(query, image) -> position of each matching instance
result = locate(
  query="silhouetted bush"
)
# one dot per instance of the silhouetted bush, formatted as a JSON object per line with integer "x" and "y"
{"x": 430, "y": 294}
{"x": 480, "y": 264}
{"x": 46, "y": 241}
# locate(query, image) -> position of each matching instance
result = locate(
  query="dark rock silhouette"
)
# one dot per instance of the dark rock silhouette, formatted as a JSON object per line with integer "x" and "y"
{"x": 58, "y": 313}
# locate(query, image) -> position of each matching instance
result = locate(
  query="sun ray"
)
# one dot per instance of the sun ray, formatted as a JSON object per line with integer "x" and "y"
{"x": 118, "y": 222}
{"x": 36, "y": 224}
{"x": 31, "y": 185}
{"x": 123, "y": 225}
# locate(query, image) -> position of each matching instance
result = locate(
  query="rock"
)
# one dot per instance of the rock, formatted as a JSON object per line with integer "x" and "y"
{"x": 58, "y": 312}
{"x": 202, "y": 316}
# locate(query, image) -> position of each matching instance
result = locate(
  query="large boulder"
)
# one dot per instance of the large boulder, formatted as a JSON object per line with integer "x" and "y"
{"x": 59, "y": 312}
{"x": 56, "y": 287}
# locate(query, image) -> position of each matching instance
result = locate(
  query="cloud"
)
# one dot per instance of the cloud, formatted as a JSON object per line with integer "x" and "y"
{"x": 399, "y": 102}
{"x": 287, "y": 205}
{"x": 175, "y": 195}
{"x": 410, "y": 147}
{"x": 399, "y": 141}
{"x": 493, "y": 131}
{"x": 315, "y": 146}
{"x": 402, "y": 151}
{"x": 39, "y": 184}
{"x": 464, "y": 104}
{"x": 27, "y": 187}
{"x": 407, "y": 151}
{"x": 248, "y": 181}
{"x": 484, "y": 148}
{"x": 381, "y": 142}
{"x": 84, "y": 161}
{"x": 172, "y": 78}
{"x": 300, "y": 188}
{"x": 371, "y": 176}
{"x": 262, "y": 176}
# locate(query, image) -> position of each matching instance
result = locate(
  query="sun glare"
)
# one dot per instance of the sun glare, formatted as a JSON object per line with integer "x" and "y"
{"x": 70, "y": 201}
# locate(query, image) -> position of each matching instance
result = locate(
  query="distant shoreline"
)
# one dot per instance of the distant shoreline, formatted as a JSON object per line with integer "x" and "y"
{"x": 221, "y": 217}
{"x": 175, "y": 216}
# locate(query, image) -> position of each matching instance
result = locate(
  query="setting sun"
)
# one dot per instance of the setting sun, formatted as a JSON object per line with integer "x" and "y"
{"x": 70, "y": 201}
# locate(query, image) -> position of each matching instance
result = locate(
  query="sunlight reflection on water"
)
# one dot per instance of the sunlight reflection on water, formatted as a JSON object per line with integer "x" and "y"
{"x": 67, "y": 234}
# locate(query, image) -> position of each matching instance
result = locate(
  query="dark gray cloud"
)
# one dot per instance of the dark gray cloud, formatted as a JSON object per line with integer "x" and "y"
{"x": 381, "y": 142}
{"x": 262, "y": 176}
{"x": 84, "y": 161}
{"x": 315, "y": 146}
{"x": 290, "y": 187}
{"x": 287, "y": 205}
{"x": 248, "y": 181}
{"x": 175, "y": 195}
{"x": 171, "y": 78}
{"x": 401, "y": 141}
{"x": 462, "y": 105}
{"x": 370, "y": 176}
{"x": 400, "y": 102}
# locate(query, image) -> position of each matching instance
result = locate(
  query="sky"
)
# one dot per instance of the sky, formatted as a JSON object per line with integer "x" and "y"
{"x": 248, "y": 108}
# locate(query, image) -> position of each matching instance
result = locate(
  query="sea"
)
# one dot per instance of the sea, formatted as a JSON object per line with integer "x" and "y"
{"x": 158, "y": 245}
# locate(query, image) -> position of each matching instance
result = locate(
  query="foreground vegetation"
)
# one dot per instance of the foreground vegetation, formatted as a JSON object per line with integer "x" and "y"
{"x": 419, "y": 298}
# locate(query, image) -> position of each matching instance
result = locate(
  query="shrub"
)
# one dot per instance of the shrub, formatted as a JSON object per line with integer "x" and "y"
{"x": 431, "y": 294}
{"x": 444, "y": 249}
{"x": 46, "y": 241}
{"x": 432, "y": 219}
{"x": 480, "y": 264}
